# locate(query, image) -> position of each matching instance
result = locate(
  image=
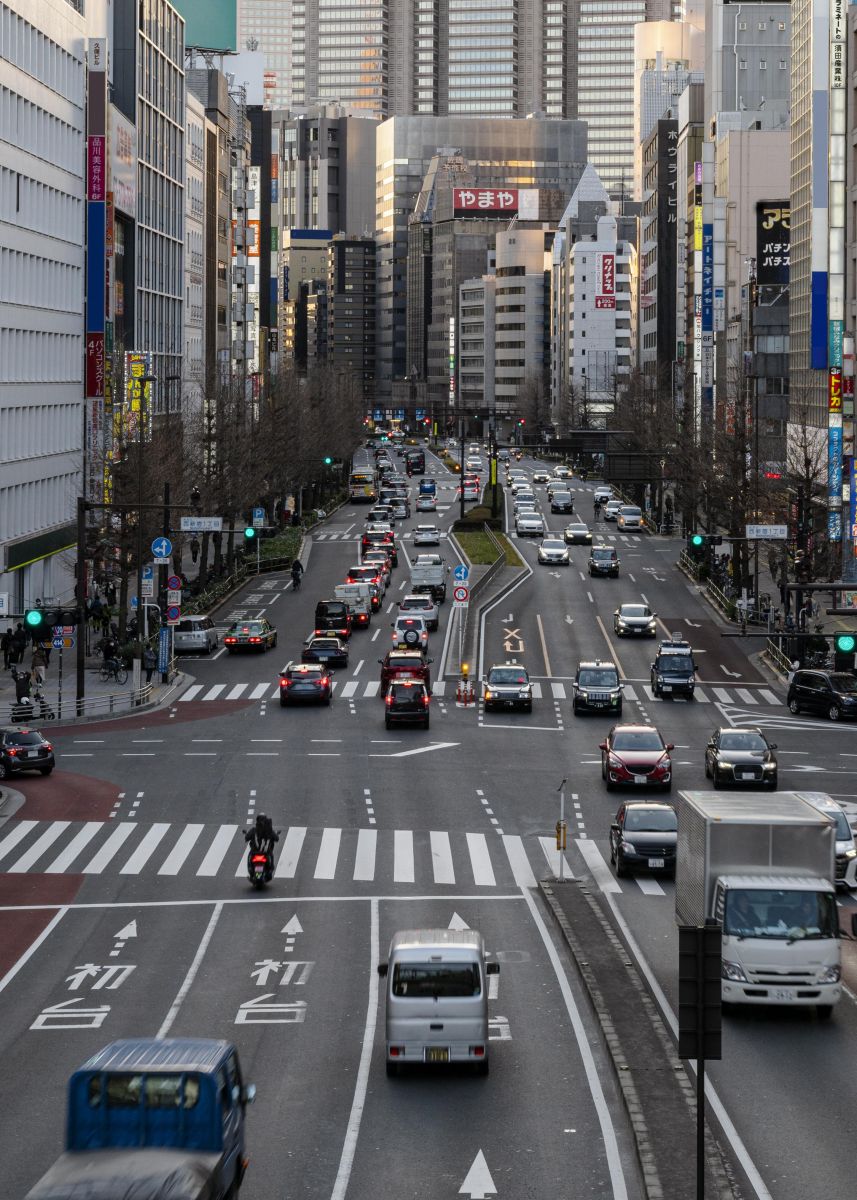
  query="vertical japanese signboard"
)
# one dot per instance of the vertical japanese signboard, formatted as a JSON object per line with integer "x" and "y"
{"x": 773, "y": 242}
{"x": 605, "y": 281}
{"x": 96, "y": 262}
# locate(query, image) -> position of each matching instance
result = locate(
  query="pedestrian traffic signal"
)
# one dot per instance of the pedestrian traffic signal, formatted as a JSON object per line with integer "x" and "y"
{"x": 844, "y": 646}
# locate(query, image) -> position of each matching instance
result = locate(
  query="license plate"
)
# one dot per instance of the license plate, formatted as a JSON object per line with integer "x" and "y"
{"x": 654, "y": 863}
{"x": 32, "y": 754}
{"x": 323, "y": 657}
{"x": 437, "y": 1054}
{"x": 666, "y": 687}
{"x": 746, "y": 775}
{"x": 509, "y": 703}
{"x": 783, "y": 994}
{"x": 641, "y": 779}
{"x": 598, "y": 703}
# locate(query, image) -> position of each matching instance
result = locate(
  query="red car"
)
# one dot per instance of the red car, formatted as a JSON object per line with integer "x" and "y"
{"x": 404, "y": 664}
{"x": 636, "y": 755}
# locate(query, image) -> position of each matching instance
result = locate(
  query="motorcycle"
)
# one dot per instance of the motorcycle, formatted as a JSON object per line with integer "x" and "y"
{"x": 259, "y": 868}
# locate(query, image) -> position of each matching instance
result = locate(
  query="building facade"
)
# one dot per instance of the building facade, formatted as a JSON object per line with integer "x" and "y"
{"x": 668, "y": 55}
{"x": 194, "y": 325}
{"x": 351, "y": 310}
{"x": 656, "y": 336}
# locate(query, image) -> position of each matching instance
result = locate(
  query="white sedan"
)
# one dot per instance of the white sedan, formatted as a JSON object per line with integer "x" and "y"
{"x": 427, "y": 535}
{"x": 553, "y": 550}
{"x": 529, "y": 524}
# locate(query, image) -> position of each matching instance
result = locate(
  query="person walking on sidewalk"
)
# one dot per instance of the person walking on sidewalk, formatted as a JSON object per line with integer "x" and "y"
{"x": 150, "y": 661}
{"x": 19, "y": 642}
{"x": 47, "y": 645}
{"x": 38, "y": 666}
{"x": 6, "y": 645}
{"x": 194, "y": 549}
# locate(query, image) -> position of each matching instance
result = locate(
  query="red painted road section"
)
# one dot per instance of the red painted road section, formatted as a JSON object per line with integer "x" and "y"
{"x": 194, "y": 710}
{"x": 18, "y": 930}
{"x": 66, "y": 796}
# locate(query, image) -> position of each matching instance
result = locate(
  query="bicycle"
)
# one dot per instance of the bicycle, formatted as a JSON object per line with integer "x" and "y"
{"x": 113, "y": 668}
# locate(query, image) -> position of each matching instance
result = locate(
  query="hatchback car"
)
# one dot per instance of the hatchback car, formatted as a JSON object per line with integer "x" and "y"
{"x": 305, "y": 683}
{"x": 629, "y": 517}
{"x": 611, "y": 509}
{"x": 325, "y": 648}
{"x": 23, "y": 749}
{"x": 742, "y": 755}
{"x": 422, "y": 604}
{"x": 404, "y": 664}
{"x": 597, "y": 688}
{"x": 636, "y": 755}
{"x": 470, "y": 491}
{"x": 332, "y": 616}
{"x": 643, "y": 836}
{"x": 377, "y": 535}
{"x": 381, "y": 559}
{"x": 576, "y": 533}
{"x": 553, "y": 550}
{"x": 407, "y": 703}
{"x": 426, "y": 503}
{"x": 381, "y": 514}
{"x": 603, "y": 493}
{"x": 632, "y": 620}
{"x": 250, "y": 635}
{"x": 507, "y": 685}
{"x": 411, "y": 632}
{"x": 529, "y": 524}
{"x": 832, "y": 694}
{"x": 195, "y": 635}
{"x": 561, "y": 501}
{"x": 603, "y": 560}
{"x": 369, "y": 573}
{"x": 401, "y": 507}
{"x": 427, "y": 535}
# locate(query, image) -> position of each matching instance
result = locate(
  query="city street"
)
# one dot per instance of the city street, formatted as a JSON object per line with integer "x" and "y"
{"x": 124, "y": 873}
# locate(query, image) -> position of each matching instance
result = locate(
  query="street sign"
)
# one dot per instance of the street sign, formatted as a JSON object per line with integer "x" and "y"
{"x": 162, "y": 548}
{"x": 148, "y": 571}
{"x": 63, "y": 643}
{"x": 202, "y": 524}
{"x": 258, "y": 518}
{"x": 173, "y": 614}
{"x": 134, "y": 602}
{"x": 148, "y": 589}
{"x": 163, "y": 650}
{"x": 57, "y": 643}
{"x": 174, "y": 595}
{"x": 461, "y": 573}
{"x": 4, "y": 604}
{"x": 770, "y": 532}
{"x": 461, "y": 594}
{"x": 63, "y": 630}
{"x": 174, "y": 583}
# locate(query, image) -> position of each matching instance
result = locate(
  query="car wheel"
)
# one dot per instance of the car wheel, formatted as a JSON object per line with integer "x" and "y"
{"x": 393, "y": 1070}
{"x": 667, "y": 787}
{"x": 621, "y": 869}
{"x": 426, "y": 723}
{"x": 707, "y": 769}
{"x": 772, "y": 782}
{"x": 282, "y": 702}
{"x": 794, "y": 707}
{"x": 824, "y": 1011}
{"x": 715, "y": 778}
{"x": 387, "y": 723}
{"x": 656, "y": 691}
{"x": 4, "y": 770}
{"x": 834, "y": 712}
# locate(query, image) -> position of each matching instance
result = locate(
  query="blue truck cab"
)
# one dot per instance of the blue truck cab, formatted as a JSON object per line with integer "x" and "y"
{"x": 153, "y": 1117}
{"x": 428, "y": 487}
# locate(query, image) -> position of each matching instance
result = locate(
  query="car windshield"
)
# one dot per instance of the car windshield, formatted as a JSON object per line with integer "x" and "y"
{"x": 553, "y": 544}
{"x": 319, "y": 643}
{"x": 507, "y": 675}
{"x": 785, "y": 915}
{"x": 420, "y": 980}
{"x": 631, "y": 512}
{"x": 637, "y": 739}
{"x": 598, "y": 677}
{"x": 577, "y": 527}
{"x": 413, "y": 664}
{"x": 840, "y": 682}
{"x": 417, "y": 602}
{"x": 634, "y": 610}
{"x": 742, "y": 741}
{"x": 561, "y": 496}
{"x": 676, "y": 664}
{"x": 650, "y": 820}
{"x": 23, "y": 739}
{"x": 246, "y": 627}
{"x": 188, "y": 626}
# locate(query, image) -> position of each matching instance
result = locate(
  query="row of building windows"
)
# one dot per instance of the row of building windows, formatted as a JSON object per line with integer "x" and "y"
{"x": 40, "y": 56}
{"x": 30, "y": 279}
{"x": 30, "y": 204}
{"x": 34, "y": 430}
{"x": 39, "y": 132}
{"x": 37, "y": 504}
{"x": 39, "y": 356}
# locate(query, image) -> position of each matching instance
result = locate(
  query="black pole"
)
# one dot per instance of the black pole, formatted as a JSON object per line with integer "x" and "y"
{"x": 80, "y": 599}
{"x": 461, "y": 460}
{"x": 700, "y": 1065}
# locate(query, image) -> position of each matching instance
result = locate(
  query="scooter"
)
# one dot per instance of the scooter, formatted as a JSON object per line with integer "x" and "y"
{"x": 260, "y": 868}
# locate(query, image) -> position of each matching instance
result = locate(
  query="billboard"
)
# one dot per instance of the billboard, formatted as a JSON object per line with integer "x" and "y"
{"x": 123, "y": 163}
{"x": 496, "y": 202}
{"x": 773, "y": 242}
{"x": 605, "y": 280}
{"x": 138, "y": 395}
{"x": 210, "y": 26}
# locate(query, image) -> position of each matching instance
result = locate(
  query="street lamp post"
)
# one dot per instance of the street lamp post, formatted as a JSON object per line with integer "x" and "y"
{"x": 142, "y": 611}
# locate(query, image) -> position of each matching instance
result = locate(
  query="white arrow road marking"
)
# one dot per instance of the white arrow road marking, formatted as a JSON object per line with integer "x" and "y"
{"x": 478, "y": 1183}
{"x": 693, "y": 624}
{"x": 731, "y": 674}
{"x": 294, "y": 926}
{"x": 419, "y": 750}
{"x": 129, "y": 931}
{"x": 569, "y": 620}
{"x": 805, "y": 767}
{"x": 457, "y": 922}
{"x": 506, "y": 620}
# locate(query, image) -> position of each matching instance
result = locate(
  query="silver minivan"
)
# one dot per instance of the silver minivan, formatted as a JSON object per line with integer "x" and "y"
{"x": 195, "y": 635}
{"x": 437, "y": 999}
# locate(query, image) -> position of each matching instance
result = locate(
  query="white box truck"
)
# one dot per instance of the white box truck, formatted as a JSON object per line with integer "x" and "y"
{"x": 764, "y": 868}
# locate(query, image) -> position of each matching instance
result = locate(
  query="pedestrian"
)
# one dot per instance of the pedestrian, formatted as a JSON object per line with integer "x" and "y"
{"x": 111, "y": 594}
{"x": 194, "y": 549}
{"x": 38, "y": 666}
{"x": 19, "y": 642}
{"x": 95, "y": 611}
{"x": 150, "y": 661}
{"x": 6, "y": 645}
{"x": 47, "y": 645}
{"x": 105, "y": 619}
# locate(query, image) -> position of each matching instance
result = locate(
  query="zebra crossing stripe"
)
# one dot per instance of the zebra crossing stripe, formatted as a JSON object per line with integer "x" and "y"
{"x": 701, "y": 696}
{"x": 480, "y": 860}
{"x": 649, "y": 887}
{"x": 215, "y": 691}
{"x": 597, "y": 866}
{"x": 769, "y": 697}
{"x": 364, "y": 861}
{"x": 518, "y": 861}
{"x": 192, "y": 692}
{"x": 258, "y": 691}
{"x": 441, "y": 857}
{"x": 746, "y": 696}
{"x": 438, "y": 688}
{"x": 75, "y": 847}
{"x": 722, "y": 695}
{"x": 110, "y": 848}
{"x": 558, "y": 690}
{"x": 287, "y": 864}
{"x": 216, "y": 852}
{"x": 39, "y": 847}
{"x": 403, "y": 856}
{"x": 537, "y": 690}
{"x": 628, "y": 692}
{"x": 552, "y": 855}
{"x": 328, "y": 853}
{"x": 235, "y": 692}
{"x": 372, "y": 689}
{"x": 145, "y": 850}
{"x": 175, "y": 859}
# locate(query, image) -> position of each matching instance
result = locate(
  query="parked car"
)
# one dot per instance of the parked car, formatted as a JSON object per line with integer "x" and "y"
{"x": 195, "y": 635}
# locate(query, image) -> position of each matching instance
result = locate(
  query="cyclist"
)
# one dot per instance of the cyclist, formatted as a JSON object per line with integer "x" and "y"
{"x": 297, "y": 572}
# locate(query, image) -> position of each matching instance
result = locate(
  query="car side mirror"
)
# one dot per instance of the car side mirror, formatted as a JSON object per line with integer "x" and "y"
{"x": 615, "y": 827}
{"x": 492, "y": 968}
{"x": 602, "y": 745}
{"x": 381, "y": 661}
{"x": 772, "y": 745}
{"x": 711, "y": 744}
{"x": 670, "y": 746}
{"x": 429, "y": 660}
{"x": 382, "y": 969}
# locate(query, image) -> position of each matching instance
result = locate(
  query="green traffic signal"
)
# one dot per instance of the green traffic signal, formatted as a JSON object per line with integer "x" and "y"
{"x": 35, "y": 618}
{"x": 846, "y": 643}
{"x": 249, "y": 532}
{"x": 327, "y": 460}
{"x": 697, "y": 540}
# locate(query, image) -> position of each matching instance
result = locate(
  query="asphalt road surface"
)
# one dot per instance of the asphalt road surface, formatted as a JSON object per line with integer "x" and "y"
{"x": 125, "y": 908}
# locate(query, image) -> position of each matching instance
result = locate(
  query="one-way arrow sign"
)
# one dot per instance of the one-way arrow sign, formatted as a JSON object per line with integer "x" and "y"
{"x": 478, "y": 1183}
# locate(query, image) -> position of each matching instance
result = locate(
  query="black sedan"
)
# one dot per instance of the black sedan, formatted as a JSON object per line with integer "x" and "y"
{"x": 577, "y": 533}
{"x": 643, "y": 837}
{"x": 741, "y": 756}
{"x": 321, "y": 648}
{"x": 23, "y": 749}
{"x": 305, "y": 683}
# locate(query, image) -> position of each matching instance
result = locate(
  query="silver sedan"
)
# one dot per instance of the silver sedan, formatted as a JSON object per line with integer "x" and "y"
{"x": 553, "y": 550}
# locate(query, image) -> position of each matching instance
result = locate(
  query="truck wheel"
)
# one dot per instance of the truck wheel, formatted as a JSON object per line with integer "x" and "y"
{"x": 393, "y": 1070}
{"x": 483, "y": 1067}
{"x": 824, "y": 1011}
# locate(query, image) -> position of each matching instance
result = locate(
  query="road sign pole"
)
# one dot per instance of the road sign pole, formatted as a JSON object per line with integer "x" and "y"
{"x": 562, "y": 828}
{"x": 59, "y": 686}
{"x": 258, "y": 549}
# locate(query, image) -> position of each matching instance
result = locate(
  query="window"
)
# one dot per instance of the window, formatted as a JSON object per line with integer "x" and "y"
{"x": 742, "y": 64}
{"x": 763, "y": 64}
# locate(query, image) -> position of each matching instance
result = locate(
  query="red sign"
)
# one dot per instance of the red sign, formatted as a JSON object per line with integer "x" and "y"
{"x": 96, "y": 168}
{"x": 95, "y": 364}
{"x": 490, "y": 201}
{"x": 605, "y": 281}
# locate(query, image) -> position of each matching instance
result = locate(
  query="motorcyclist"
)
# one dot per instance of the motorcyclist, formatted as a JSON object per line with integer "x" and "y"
{"x": 297, "y": 572}
{"x": 261, "y": 839}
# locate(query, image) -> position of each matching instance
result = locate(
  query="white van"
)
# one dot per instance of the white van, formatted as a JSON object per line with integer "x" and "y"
{"x": 437, "y": 998}
{"x": 846, "y": 847}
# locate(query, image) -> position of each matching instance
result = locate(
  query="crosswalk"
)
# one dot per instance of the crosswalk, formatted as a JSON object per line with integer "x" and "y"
{"x": 549, "y": 689}
{"x": 406, "y": 857}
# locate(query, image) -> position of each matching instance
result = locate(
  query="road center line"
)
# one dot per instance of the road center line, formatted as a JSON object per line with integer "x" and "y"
{"x": 191, "y": 972}
{"x": 548, "y": 671}
{"x": 349, "y": 1148}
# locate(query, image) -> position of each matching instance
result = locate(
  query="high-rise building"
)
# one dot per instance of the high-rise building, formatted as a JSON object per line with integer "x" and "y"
{"x": 194, "y": 260}
{"x": 351, "y": 310}
{"x": 42, "y": 208}
{"x": 667, "y": 56}
{"x": 656, "y": 335}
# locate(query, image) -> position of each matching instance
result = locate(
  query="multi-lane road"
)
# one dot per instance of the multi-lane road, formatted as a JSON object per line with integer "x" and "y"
{"x": 125, "y": 909}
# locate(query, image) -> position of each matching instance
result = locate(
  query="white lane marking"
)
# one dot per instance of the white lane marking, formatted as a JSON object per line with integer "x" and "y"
{"x": 551, "y": 853}
{"x": 648, "y": 691}
{"x": 722, "y": 695}
{"x": 537, "y": 691}
{"x": 701, "y": 696}
{"x": 39, "y": 847}
{"x": 769, "y": 697}
{"x": 328, "y": 853}
{"x": 145, "y": 850}
{"x": 111, "y": 847}
{"x": 746, "y": 696}
{"x": 187, "y": 982}
{"x": 32, "y": 948}
{"x": 258, "y": 691}
{"x": 375, "y": 634}
{"x": 600, "y": 871}
{"x": 216, "y": 852}
{"x": 438, "y": 687}
{"x": 235, "y": 692}
{"x": 349, "y": 1147}
{"x": 558, "y": 690}
{"x": 291, "y": 852}
{"x": 649, "y": 886}
{"x": 480, "y": 860}
{"x": 222, "y": 650}
{"x": 619, "y": 1189}
{"x": 544, "y": 645}
{"x": 403, "y": 856}
{"x": 192, "y": 692}
{"x": 518, "y": 861}
{"x": 80, "y": 840}
{"x": 215, "y": 691}
{"x": 372, "y": 689}
{"x": 356, "y": 670}
{"x": 176, "y": 858}
{"x": 364, "y": 862}
{"x": 628, "y": 692}
{"x": 589, "y": 594}
{"x": 349, "y": 688}
{"x": 441, "y": 858}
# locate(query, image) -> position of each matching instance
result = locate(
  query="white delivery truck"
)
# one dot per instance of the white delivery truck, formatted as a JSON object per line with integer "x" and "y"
{"x": 358, "y": 597}
{"x": 764, "y": 868}
{"x": 428, "y": 574}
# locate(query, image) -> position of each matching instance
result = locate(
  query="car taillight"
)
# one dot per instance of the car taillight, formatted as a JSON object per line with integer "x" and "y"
{"x": 230, "y": 641}
{"x": 285, "y": 683}
{"x": 426, "y": 699}
{"x": 325, "y": 681}
{"x": 47, "y": 746}
{"x": 12, "y": 751}
{"x": 255, "y": 640}
{"x": 388, "y": 699}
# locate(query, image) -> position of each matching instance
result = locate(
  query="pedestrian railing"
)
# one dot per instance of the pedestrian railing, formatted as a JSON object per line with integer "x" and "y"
{"x": 776, "y": 655}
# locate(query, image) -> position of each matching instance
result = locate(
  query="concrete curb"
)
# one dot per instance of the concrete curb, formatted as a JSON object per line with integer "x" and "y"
{"x": 10, "y": 802}
{"x": 655, "y": 1189}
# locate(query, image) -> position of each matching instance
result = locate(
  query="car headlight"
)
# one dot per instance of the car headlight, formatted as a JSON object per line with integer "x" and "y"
{"x": 583, "y": 695}
{"x": 660, "y": 678}
{"x": 852, "y": 853}
{"x": 733, "y": 971}
{"x": 613, "y": 761}
{"x": 652, "y": 626}
{"x": 769, "y": 766}
{"x": 621, "y": 623}
{"x": 628, "y": 847}
{"x": 728, "y": 765}
{"x": 830, "y": 974}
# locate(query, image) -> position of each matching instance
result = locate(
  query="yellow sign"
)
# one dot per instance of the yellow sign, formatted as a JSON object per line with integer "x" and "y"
{"x": 697, "y": 228}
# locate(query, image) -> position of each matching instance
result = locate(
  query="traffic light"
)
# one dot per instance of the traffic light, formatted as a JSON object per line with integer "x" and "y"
{"x": 696, "y": 546}
{"x": 521, "y": 421}
{"x": 844, "y": 646}
{"x": 249, "y": 536}
{"x": 328, "y": 461}
{"x": 41, "y": 621}
{"x": 36, "y": 620}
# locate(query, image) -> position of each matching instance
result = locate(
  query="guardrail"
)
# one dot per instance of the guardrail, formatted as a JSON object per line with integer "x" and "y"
{"x": 774, "y": 652}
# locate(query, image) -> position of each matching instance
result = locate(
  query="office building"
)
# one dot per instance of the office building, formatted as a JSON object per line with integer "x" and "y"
{"x": 351, "y": 310}
{"x": 668, "y": 55}
{"x": 656, "y": 336}
{"x": 194, "y": 259}
{"x": 475, "y": 349}
{"x": 42, "y": 210}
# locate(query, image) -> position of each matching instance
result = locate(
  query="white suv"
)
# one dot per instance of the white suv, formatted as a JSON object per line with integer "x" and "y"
{"x": 410, "y": 631}
{"x": 421, "y": 604}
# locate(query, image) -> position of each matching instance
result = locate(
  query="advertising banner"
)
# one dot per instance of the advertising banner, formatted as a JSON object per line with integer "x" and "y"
{"x": 773, "y": 242}
{"x": 469, "y": 202}
{"x": 123, "y": 162}
{"x": 834, "y": 392}
{"x": 605, "y": 281}
{"x": 138, "y": 395}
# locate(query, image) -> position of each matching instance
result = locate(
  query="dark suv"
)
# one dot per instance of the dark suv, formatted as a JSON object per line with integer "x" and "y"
{"x": 406, "y": 703}
{"x": 831, "y": 693}
{"x": 23, "y": 749}
{"x": 673, "y": 671}
{"x": 603, "y": 560}
{"x": 333, "y": 616}
{"x": 596, "y": 688}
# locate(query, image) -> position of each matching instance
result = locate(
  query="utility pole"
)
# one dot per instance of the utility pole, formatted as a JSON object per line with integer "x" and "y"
{"x": 163, "y": 571}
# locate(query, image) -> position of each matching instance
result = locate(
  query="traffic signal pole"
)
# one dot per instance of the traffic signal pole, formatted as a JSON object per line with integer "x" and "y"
{"x": 80, "y": 597}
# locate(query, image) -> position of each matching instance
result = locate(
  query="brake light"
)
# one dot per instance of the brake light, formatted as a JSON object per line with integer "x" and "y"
{"x": 255, "y": 640}
{"x": 47, "y": 746}
{"x": 426, "y": 699}
{"x": 259, "y": 858}
{"x": 12, "y": 751}
{"x": 325, "y": 680}
{"x": 285, "y": 683}
{"x": 230, "y": 641}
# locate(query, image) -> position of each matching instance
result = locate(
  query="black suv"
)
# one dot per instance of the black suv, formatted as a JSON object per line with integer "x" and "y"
{"x": 603, "y": 560}
{"x": 673, "y": 671}
{"x": 832, "y": 693}
{"x": 407, "y": 703}
{"x": 596, "y": 688}
{"x": 23, "y": 749}
{"x": 562, "y": 502}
